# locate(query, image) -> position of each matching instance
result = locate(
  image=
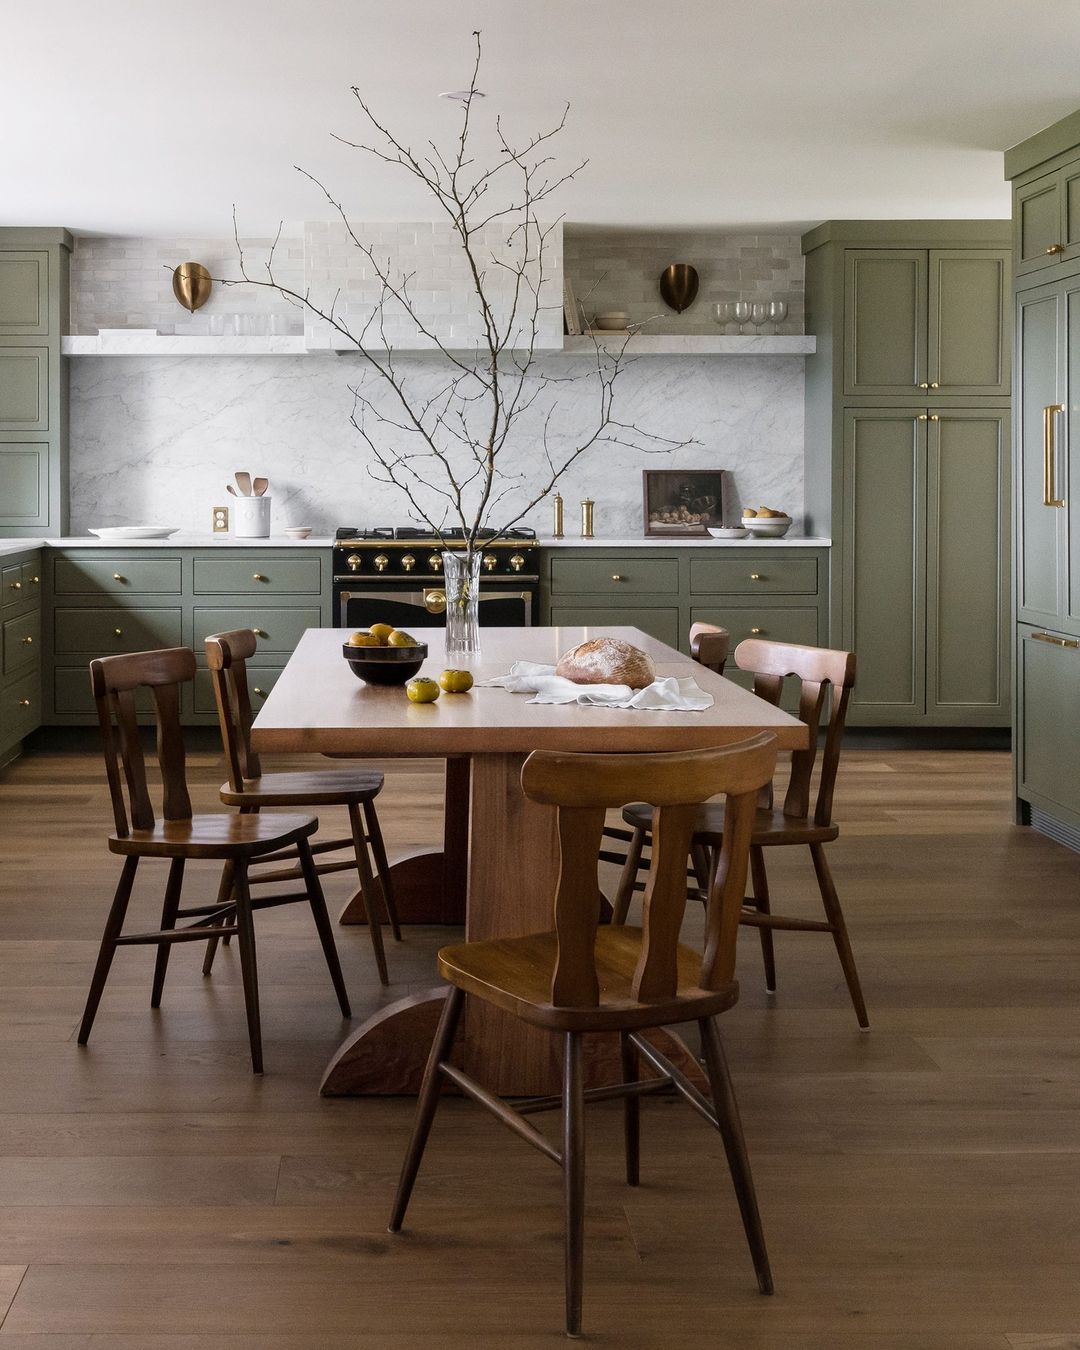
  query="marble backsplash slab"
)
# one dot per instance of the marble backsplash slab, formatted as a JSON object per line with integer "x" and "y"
{"x": 156, "y": 438}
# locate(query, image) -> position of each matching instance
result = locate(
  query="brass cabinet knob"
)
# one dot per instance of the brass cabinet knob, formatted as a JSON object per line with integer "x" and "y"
{"x": 24, "y": 703}
{"x": 517, "y": 562}
{"x": 490, "y": 562}
{"x": 934, "y": 417}
{"x": 935, "y": 385}
{"x": 756, "y": 576}
{"x": 117, "y": 577}
{"x": 435, "y": 562}
{"x": 16, "y": 585}
{"x": 353, "y": 562}
{"x": 382, "y": 562}
{"x": 34, "y": 581}
{"x": 257, "y": 576}
{"x": 922, "y": 417}
{"x": 617, "y": 576}
{"x": 260, "y": 632}
{"x": 119, "y": 632}
{"x": 28, "y": 641}
{"x": 408, "y": 562}
{"x": 924, "y": 385}
{"x": 1056, "y": 248}
{"x": 261, "y": 692}
{"x": 757, "y": 632}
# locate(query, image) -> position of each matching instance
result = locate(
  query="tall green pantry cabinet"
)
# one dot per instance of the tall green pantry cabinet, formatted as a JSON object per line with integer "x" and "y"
{"x": 33, "y": 381}
{"x": 908, "y": 464}
{"x": 1045, "y": 172}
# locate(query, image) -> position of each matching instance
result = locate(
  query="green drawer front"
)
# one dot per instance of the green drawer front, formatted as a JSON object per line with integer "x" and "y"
{"x": 117, "y": 575}
{"x": 660, "y": 622}
{"x": 1049, "y": 678}
{"x": 15, "y": 592}
{"x": 21, "y": 707}
{"x": 22, "y": 642}
{"x": 754, "y": 576}
{"x": 103, "y": 632}
{"x": 72, "y": 694}
{"x": 777, "y": 623}
{"x": 615, "y": 574}
{"x": 278, "y": 629}
{"x": 261, "y": 679}
{"x": 258, "y": 575}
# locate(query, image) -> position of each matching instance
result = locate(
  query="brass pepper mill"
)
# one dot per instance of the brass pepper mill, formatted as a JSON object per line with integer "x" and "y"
{"x": 557, "y": 501}
{"x": 587, "y": 518}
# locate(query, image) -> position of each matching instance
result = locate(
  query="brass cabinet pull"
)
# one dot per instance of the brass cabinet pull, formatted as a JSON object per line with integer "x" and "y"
{"x": 435, "y": 602}
{"x": 34, "y": 581}
{"x": 935, "y": 385}
{"x": 924, "y": 385}
{"x": 119, "y": 632}
{"x": 923, "y": 417}
{"x": 260, "y": 632}
{"x": 757, "y": 632}
{"x": 1055, "y": 641}
{"x": 257, "y": 576}
{"x": 1050, "y": 455}
{"x": 934, "y": 417}
{"x": 24, "y": 703}
{"x": 16, "y": 585}
{"x": 261, "y": 692}
{"x": 617, "y": 576}
{"x": 756, "y": 576}
{"x": 28, "y": 641}
{"x": 1056, "y": 248}
{"x": 117, "y": 577}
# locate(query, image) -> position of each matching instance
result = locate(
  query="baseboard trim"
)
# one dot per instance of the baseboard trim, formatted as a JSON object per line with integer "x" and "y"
{"x": 1057, "y": 830}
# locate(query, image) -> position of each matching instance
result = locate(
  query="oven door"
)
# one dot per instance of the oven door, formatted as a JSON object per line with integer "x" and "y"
{"x": 426, "y": 607}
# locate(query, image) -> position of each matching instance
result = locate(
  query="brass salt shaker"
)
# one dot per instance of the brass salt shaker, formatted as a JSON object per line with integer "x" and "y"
{"x": 557, "y": 501}
{"x": 587, "y": 518}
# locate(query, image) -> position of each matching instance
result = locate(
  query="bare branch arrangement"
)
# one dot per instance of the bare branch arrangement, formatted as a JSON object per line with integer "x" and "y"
{"x": 449, "y": 446}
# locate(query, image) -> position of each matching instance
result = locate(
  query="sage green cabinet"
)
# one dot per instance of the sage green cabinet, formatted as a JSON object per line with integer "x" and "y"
{"x": 1046, "y": 216}
{"x": 921, "y": 320}
{"x": 925, "y": 565}
{"x": 33, "y": 381}
{"x": 20, "y": 650}
{"x": 1048, "y": 707}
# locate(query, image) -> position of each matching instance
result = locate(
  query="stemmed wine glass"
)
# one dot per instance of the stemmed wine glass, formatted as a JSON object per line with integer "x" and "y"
{"x": 724, "y": 314}
{"x": 777, "y": 313}
{"x": 741, "y": 311}
{"x": 759, "y": 315}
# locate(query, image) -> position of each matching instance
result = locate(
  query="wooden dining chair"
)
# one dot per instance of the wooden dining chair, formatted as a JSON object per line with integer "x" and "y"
{"x": 709, "y": 647}
{"x": 822, "y": 673}
{"x": 250, "y": 789}
{"x": 581, "y": 977}
{"x": 237, "y": 840}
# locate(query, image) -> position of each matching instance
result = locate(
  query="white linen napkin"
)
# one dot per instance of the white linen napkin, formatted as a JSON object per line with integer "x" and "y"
{"x": 667, "y": 694}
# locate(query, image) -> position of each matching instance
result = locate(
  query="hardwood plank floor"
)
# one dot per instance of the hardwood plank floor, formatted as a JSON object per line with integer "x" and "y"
{"x": 919, "y": 1185}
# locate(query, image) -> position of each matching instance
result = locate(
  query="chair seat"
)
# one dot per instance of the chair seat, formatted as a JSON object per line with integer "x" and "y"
{"x": 225, "y": 835}
{"x": 320, "y": 787}
{"x": 515, "y": 974}
{"x": 771, "y": 826}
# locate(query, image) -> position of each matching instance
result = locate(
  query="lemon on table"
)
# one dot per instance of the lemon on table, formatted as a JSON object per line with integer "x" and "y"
{"x": 396, "y": 638}
{"x": 456, "y": 681}
{"x": 381, "y": 633}
{"x": 422, "y": 690}
{"x": 363, "y": 639}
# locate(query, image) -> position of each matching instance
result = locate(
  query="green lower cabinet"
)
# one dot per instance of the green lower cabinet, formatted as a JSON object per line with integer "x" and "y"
{"x": 109, "y": 631}
{"x": 277, "y": 628}
{"x": 261, "y": 679}
{"x": 20, "y": 651}
{"x": 1048, "y": 722}
{"x": 660, "y": 622}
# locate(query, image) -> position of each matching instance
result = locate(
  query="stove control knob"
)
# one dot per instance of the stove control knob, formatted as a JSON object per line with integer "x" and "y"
{"x": 408, "y": 562}
{"x": 517, "y": 562}
{"x": 382, "y": 562}
{"x": 435, "y": 562}
{"x": 490, "y": 562}
{"x": 353, "y": 562}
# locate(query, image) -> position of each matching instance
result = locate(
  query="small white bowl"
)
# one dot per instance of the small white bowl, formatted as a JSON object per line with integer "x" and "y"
{"x": 297, "y": 531}
{"x": 729, "y": 532}
{"x": 770, "y": 527}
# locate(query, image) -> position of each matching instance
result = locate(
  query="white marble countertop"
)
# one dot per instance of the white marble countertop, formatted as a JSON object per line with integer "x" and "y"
{"x": 791, "y": 541}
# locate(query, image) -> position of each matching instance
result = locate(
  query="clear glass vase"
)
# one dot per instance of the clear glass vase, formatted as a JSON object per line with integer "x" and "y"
{"x": 461, "y": 577}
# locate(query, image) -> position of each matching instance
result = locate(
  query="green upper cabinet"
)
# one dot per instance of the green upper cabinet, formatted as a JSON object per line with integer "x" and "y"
{"x": 24, "y": 293}
{"x": 926, "y": 323}
{"x": 1046, "y": 219}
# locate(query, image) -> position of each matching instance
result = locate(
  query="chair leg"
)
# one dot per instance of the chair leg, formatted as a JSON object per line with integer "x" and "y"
{"x": 169, "y": 907}
{"x": 573, "y": 1161}
{"x": 631, "y": 867}
{"x": 322, "y": 924}
{"x": 427, "y": 1104}
{"x": 631, "y": 1111}
{"x": 382, "y": 867}
{"x": 368, "y": 890}
{"x": 245, "y": 937}
{"x": 835, "y": 916}
{"x": 113, "y": 925}
{"x": 727, "y": 1114}
{"x": 761, "y": 900}
{"x": 225, "y": 889}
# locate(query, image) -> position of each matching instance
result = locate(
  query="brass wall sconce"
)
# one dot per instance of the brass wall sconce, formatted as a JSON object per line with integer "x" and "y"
{"x": 678, "y": 286}
{"x": 191, "y": 285}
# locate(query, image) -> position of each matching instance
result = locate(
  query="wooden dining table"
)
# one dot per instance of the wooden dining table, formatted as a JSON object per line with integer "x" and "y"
{"x": 499, "y": 847}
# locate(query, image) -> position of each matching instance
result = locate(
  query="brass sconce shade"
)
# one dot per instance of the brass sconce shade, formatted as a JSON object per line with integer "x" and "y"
{"x": 191, "y": 285}
{"x": 678, "y": 286}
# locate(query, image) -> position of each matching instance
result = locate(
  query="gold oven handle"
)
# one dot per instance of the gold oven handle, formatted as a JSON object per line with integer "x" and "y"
{"x": 1050, "y": 455}
{"x": 435, "y": 602}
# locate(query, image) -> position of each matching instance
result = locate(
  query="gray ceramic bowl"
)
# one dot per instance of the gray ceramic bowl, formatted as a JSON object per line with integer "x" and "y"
{"x": 385, "y": 665}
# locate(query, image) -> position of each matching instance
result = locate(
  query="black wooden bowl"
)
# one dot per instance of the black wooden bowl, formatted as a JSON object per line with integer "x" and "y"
{"x": 385, "y": 665}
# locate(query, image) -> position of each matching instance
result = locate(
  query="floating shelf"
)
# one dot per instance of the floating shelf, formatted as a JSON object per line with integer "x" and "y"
{"x": 643, "y": 344}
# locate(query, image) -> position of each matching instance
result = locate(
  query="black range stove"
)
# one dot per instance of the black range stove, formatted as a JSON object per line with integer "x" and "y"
{"x": 393, "y": 574}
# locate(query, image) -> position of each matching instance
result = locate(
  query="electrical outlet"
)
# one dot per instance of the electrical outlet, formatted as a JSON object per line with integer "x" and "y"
{"x": 221, "y": 520}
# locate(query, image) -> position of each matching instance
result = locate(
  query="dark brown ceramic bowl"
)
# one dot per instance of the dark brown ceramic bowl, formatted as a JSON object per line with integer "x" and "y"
{"x": 385, "y": 665}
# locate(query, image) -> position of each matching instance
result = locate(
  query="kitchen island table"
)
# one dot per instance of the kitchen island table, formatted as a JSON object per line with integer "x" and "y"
{"x": 319, "y": 706}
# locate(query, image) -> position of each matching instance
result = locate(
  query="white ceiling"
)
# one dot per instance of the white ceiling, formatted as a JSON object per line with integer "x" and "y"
{"x": 154, "y": 116}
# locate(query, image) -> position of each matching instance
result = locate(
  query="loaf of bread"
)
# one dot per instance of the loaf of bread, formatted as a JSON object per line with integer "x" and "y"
{"x": 607, "y": 661}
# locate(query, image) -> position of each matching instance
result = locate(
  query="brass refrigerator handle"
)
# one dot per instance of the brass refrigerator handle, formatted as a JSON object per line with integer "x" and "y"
{"x": 1050, "y": 455}
{"x": 1055, "y": 641}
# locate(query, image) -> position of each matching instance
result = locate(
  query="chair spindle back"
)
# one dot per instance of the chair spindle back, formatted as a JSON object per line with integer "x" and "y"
{"x": 583, "y": 787}
{"x": 115, "y": 681}
{"x": 227, "y": 655}
{"x": 821, "y": 671}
